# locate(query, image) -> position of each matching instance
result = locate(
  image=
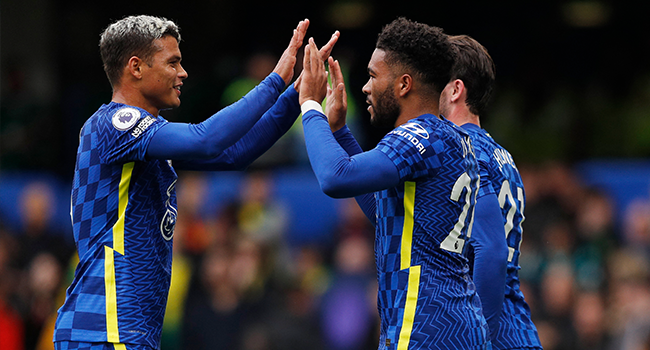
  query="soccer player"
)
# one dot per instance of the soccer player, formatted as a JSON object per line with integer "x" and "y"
{"x": 422, "y": 177}
{"x": 500, "y": 201}
{"x": 123, "y": 198}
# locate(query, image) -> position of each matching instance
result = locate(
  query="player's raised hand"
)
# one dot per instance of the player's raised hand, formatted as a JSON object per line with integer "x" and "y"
{"x": 314, "y": 76}
{"x": 336, "y": 105}
{"x": 287, "y": 61}
{"x": 324, "y": 53}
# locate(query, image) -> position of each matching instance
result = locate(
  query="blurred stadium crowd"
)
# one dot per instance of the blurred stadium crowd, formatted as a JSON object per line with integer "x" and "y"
{"x": 241, "y": 282}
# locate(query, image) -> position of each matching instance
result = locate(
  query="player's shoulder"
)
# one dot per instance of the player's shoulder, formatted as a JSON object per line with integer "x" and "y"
{"x": 120, "y": 118}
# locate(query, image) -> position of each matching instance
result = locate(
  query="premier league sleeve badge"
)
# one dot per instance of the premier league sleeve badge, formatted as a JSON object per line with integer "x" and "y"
{"x": 125, "y": 118}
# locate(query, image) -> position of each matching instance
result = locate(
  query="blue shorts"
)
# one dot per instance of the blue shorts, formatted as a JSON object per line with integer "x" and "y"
{"x": 73, "y": 345}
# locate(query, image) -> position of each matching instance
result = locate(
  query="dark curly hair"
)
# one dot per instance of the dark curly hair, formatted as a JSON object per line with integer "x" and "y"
{"x": 475, "y": 68}
{"x": 420, "y": 47}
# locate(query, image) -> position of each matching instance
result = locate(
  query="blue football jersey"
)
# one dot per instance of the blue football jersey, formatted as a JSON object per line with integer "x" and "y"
{"x": 500, "y": 175}
{"x": 426, "y": 297}
{"x": 123, "y": 210}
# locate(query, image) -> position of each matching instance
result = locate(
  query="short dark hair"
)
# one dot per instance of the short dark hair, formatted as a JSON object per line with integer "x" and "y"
{"x": 132, "y": 36}
{"x": 475, "y": 68}
{"x": 420, "y": 47}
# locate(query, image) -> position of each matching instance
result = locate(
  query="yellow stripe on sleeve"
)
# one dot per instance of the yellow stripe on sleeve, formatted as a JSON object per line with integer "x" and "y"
{"x": 409, "y": 308}
{"x": 119, "y": 346}
{"x": 118, "y": 228}
{"x": 407, "y": 230}
{"x": 112, "y": 333}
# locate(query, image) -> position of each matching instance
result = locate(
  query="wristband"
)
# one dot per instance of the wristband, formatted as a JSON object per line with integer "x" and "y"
{"x": 309, "y": 105}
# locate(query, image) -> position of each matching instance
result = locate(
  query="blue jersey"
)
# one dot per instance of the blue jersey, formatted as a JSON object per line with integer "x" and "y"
{"x": 426, "y": 297}
{"x": 499, "y": 175}
{"x": 123, "y": 214}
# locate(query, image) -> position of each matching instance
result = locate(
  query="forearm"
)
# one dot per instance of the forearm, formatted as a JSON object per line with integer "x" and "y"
{"x": 339, "y": 174}
{"x": 366, "y": 201}
{"x": 211, "y": 137}
{"x": 275, "y": 123}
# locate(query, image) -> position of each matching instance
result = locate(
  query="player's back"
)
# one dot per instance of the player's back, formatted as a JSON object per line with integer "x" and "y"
{"x": 516, "y": 329}
{"x": 426, "y": 297}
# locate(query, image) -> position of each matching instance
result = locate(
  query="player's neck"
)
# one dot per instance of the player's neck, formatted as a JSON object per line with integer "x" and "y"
{"x": 462, "y": 115}
{"x": 132, "y": 97}
{"x": 415, "y": 108}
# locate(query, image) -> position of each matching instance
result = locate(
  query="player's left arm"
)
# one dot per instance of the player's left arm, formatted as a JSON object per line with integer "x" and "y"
{"x": 490, "y": 258}
{"x": 274, "y": 123}
{"x": 345, "y": 138}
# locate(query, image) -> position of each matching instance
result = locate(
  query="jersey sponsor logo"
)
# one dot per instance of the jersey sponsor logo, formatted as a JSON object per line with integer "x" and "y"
{"x": 411, "y": 132}
{"x": 143, "y": 125}
{"x": 125, "y": 118}
{"x": 417, "y": 130}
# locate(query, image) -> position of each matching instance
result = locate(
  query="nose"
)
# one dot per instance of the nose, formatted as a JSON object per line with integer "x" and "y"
{"x": 182, "y": 73}
{"x": 366, "y": 88}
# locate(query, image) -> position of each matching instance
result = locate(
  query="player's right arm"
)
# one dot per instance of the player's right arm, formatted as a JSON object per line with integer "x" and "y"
{"x": 211, "y": 137}
{"x": 336, "y": 108}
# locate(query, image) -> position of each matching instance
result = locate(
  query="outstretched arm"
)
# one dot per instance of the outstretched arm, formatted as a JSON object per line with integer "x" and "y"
{"x": 336, "y": 107}
{"x": 339, "y": 174}
{"x": 275, "y": 123}
{"x": 211, "y": 137}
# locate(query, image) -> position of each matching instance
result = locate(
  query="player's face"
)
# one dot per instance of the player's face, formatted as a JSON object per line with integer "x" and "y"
{"x": 380, "y": 96}
{"x": 162, "y": 80}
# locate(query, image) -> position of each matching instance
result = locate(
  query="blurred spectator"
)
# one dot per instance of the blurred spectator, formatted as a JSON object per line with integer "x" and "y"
{"x": 636, "y": 226}
{"x": 36, "y": 236}
{"x": 349, "y": 320}
{"x": 589, "y": 321}
{"x": 629, "y": 304}
{"x": 191, "y": 226}
{"x": 12, "y": 334}
{"x": 263, "y": 219}
{"x": 596, "y": 238}
{"x": 42, "y": 283}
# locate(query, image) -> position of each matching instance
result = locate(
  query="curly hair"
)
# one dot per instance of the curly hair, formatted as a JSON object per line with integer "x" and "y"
{"x": 132, "y": 36}
{"x": 420, "y": 47}
{"x": 475, "y": 68}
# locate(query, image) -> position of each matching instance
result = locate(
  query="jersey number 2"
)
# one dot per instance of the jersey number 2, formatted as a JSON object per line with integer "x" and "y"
{"x": 454, "y": 242}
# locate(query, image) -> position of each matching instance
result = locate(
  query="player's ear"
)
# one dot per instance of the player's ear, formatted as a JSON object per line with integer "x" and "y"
{"x": 458, "y": 88}
{"x": 134, "y": 65}
{"x": 404, "y": 84}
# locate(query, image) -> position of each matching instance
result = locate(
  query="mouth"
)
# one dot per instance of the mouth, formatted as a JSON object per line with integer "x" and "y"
{"x": 178, "y": 89}
{"x": 369, "y": 104}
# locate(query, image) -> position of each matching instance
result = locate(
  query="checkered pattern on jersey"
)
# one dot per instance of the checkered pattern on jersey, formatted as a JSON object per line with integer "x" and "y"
{"x": 446, "y": 318}
{"x": 447, "y": 314}
{"x": 142, "y": 270}
{"x": 98, "y": 346}
{"x": 516, "y": 328}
